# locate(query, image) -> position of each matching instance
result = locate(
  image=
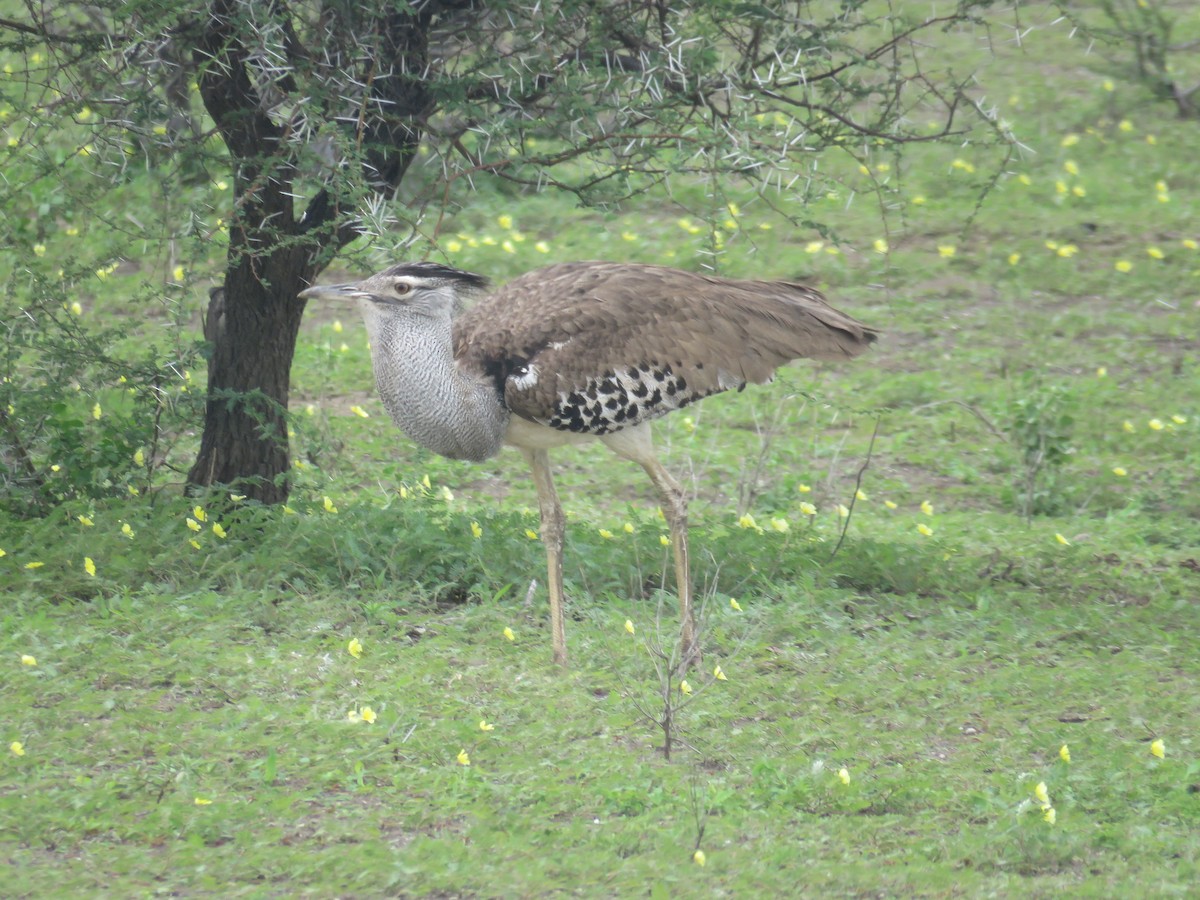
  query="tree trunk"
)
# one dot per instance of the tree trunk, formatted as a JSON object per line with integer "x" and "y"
{"x": 245, "y": 442}
{"x": 273, "y": 253}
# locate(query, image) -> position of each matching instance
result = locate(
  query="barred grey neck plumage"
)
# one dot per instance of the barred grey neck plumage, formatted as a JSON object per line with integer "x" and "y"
{"x": 428, "y": 396}
{"x": 409, "y": 311}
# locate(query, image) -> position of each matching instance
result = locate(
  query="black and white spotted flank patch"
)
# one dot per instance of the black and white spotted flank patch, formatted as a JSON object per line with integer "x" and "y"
{"x": 621, "y": 398}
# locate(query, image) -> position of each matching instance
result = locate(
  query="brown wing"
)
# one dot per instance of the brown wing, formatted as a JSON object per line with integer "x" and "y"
{"x": 595, "y": 347}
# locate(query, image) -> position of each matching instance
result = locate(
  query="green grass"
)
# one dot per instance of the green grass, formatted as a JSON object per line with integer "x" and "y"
{"x": 943, "y": 671}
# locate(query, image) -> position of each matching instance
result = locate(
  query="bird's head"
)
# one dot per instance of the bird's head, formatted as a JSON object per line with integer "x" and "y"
{"x": 420, "y": 288}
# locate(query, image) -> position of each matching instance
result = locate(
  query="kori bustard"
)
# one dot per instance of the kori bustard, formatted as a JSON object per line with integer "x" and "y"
{"x": 577, "y": 352}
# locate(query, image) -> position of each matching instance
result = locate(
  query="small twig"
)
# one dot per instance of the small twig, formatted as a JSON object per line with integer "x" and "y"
{"x": 857, "y": 485}
{"x": 529, "y": 595}
{"x": 986, "y": 422}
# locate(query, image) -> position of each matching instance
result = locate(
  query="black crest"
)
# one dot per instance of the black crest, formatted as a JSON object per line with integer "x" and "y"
{"x": 427, "y": 269}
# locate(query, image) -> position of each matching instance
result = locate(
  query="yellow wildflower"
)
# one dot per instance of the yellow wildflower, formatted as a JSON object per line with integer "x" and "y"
{"x": 508, "y": 634}
{"x": 1014, "y": 258}
{"x": 97, "y": 412}
{"x": 719, "y": 674}
{"x": 192, "y": 524}
{"x": 1123, "y": 265}
{"x": 807, "y": 509}
{"x": 1120, "y": 471}
{"x": 844, "y": 775}
{"x": 734, "y": 605}
{"x": 360, "y": 412}
{"x": 946, "y": 250}
{"x": 925, "y": 530}
{"x": 201, "y": 801}
{"x": 27, "y": 660}
{"x": 531, "y": 534}
{"x": 1070, "y": 167}
{"x": 699, "y": 858}
{"x": 34, "y": 565}
{"x": 89, "y": 566}
{"x": 177, "y": 273}
{"x": 684, "y": 687}
{"x": 17, "y": 748}
{"x": 218, "y": 530}
{"x": 1062, "y": 540}
{"x": 354, "y": 648}
{"x": 1050, "y": 815}
{"x": 927, "y": 507}
{"x": 367, "y": 715}
{"x": 1156, "y": 425}
{"x": 860, "y": 495}
{"x": 880, "y": 245}
{"x": 664, "y": 540}
{"x": 1155, "y": 253}
{"x": 843, "y": 510}
{"x": 1042, "y": 794}
{"x": 803, "y": 488}
{"x": 485, "y": 725}
{"x": 463, "y": 758}
{"x": 1179, "y": 420}
{"x": 606, "y": 534}
{"x": 747, "y": 521}
{"x": 889, "y": 504}
{"x": 1064, "y": 754}
{"x": 629, "y": 626}
{"x": 85, "y": 521}
{"x": 1158, "y": 748}
{"x": 780, "y": 525}
{"x": 476, "y": 530}
{"x": 127, "y": 530}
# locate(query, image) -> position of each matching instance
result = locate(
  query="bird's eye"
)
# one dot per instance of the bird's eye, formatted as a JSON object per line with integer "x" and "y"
{"x": 401, "y": 288}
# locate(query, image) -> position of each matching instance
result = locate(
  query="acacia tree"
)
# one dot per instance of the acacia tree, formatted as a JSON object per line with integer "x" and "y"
{"x": 320, "y": 109}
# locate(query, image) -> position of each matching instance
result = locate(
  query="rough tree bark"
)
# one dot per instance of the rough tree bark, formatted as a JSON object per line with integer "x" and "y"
{"x": 275, "y": 253}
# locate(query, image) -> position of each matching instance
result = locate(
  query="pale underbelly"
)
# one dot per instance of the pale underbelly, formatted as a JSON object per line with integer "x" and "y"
{"x": 631, "y": 443}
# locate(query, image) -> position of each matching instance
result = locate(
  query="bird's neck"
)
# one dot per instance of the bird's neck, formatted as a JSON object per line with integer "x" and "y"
{"x": 427, "y": 394}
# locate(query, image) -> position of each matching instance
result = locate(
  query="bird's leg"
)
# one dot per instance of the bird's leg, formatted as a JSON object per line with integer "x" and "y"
{"x": 553, "y": 525}
{"x": 674, "y": 507}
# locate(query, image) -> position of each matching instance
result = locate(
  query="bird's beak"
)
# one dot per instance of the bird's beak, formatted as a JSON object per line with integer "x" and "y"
{"x": 331, "y": 292}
